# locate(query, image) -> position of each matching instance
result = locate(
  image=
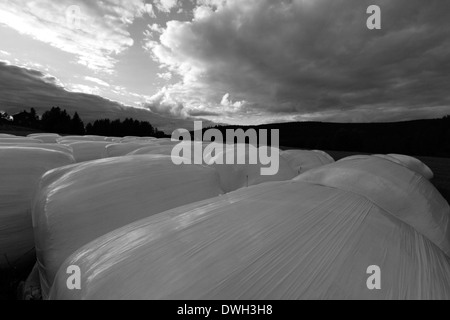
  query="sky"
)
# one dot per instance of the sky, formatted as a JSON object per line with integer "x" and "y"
{"x": 227, "y": 61}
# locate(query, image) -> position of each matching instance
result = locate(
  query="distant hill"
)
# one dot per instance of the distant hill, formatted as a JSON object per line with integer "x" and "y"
{"x": 420, "y": 138}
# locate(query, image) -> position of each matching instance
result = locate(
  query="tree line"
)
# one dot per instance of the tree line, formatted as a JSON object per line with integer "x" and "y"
{"x": 60, "y": 121}
{"x": 416, "y": 138}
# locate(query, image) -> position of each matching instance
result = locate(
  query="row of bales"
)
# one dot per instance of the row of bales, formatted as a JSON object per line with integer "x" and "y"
{"x": 139, "y": 226}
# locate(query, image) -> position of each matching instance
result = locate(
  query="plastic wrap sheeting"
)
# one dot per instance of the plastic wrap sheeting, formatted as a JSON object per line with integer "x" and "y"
{"x": 326, "y": 155}
{"x": 415, "y": 165}
{"x": 69, "y": 139}
{"x": 122, "y": 149}
{"x": 405, "y": 194}
{"x": 302, "y": 160}
{"x": 50, "y": 146}
{"x": 77, "y": 204}
{"x": 411, "y": 163}
{"x": 18, "y": 140}
{"x": 196, "y": 150}
{"x": 34, "y": 135}
{"x": 138, "y": 140}
{"x": 153, "y": 150}
{"x": 31, "y": 289}
{"x": 286, "y": 240}
{"x": 88, "y": 150}
{"x": 20, "y": 171}
{"x": 236, "y": 176}
{"x": 167, "y": 142}
{"x": 46, "y": 138}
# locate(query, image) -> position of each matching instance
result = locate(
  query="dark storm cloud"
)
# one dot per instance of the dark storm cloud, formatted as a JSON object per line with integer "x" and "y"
{"x": 315, "y": 58}
{"x": 201, "y": 113}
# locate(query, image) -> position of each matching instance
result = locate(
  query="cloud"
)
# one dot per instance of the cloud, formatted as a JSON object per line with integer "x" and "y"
{"x": 166, "y": 5}
{"x": 23, "y": 88}
{"x": 156, "y": 28}
{"x": 303, "y": 59}
{"x": 82, "y": 88}
{"x": 226, "y": 102}
{"x": 97, "y": 81}
{"x": 165, "y": 76}
{"x": 94, "y": 31}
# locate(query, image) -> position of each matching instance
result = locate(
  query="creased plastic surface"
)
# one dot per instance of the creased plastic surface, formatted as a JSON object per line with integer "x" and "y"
{"x": 153, "y": 150}
{"x": 19, "y": 140}
{"x": 33, "y": 135}
{"x": 411, "y": 163}
{"x": 137, "y": 140}
{"x": 286, "y": 240}
{"x": 20, "y": 171}
{"x": 69, "y": 139}
{"x": 77, "y": 204}
{"x": 241, "y": 173}
{"x": 122, "y": 149}
{"x": 50, "y": 146}
{"x": 302, "y": 160}
{"x": 88, "y": 150}
{"x": 415, "y": 165}
{"x": 46, "y": 138}
{"x": 405, "y": 194}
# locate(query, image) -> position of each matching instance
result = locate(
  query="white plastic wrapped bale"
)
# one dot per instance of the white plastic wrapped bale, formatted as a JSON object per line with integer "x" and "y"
{"x": 19, "y": 140}
{"x": 77, "y": 204}
{"x": 189, "y": 150}
{"x": 31, "y": 289}
{"x": 128, "y": 139}
{"x": 33, "y": 135}
{"x": 415, "y": 165}
{"x": 122, "y": 149}
{"x": 5, "y": 135}
{"x": 138, "y": 140}
{"x": 326, "y": 155}
{"x": 411, "y": 163}
{"x": 114, "y": 140}
{"x": 302, "y": 160}
{"x": 246, "y": 172}
{"x": 95, "y": 138}
{"x": 210, "y": 148}
{"x": 88, "y": 150}
{"x": 153, "y": 150}
{"x": 69, "y": 139}
{"x": 283, "y": 240}
{"x": 20, "y": 171}
{"x": 167, "y": 142}
{"x": 50, "y": 146}
{"x": 46, "y": 138}
{"x": 405, "y": 194}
